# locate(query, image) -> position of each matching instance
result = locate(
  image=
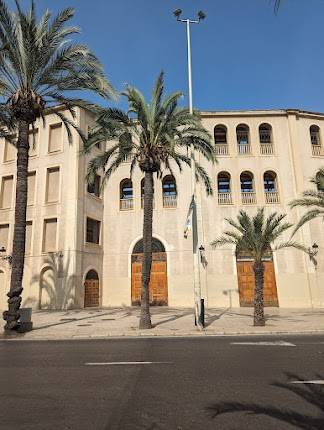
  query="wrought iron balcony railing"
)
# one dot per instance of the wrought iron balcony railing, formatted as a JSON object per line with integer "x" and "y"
{"x": 170, "y": 201}
{"x": 225, "y": 199}
{"x": 126, "y": 204}
{"x": 248, "y": 198}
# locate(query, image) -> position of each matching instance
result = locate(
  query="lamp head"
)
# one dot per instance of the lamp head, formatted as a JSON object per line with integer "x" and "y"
{"x": 177, "y": 13}
{"x": 201, "y": 15}
{"x": 315, "y": 246}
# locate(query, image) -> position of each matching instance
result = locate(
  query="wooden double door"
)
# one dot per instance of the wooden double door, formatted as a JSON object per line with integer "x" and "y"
{"x": 246, "y": 283}
{"x": 158, "y": 280}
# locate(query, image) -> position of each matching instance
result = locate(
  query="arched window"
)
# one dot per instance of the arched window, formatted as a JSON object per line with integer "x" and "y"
{"x": 92, "y": 275}
{"x": 169, "y": 192}
{"x": 315, "y": 139}
{"x": 242, "y": 136}
{"x": 224, "y": 188}
{"x": 220, "y": 135}
{"x": 126, "y": 194}
{"x": 265, "y": 134}
{"x": 270, "y": 187}
{"x": 142, "y": 193}
{"x": 157, "y": 246}
{"x": 269, "y": 182}
{"x": 247, "y": 188}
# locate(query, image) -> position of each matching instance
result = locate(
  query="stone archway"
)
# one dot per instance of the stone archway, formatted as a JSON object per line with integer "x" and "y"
{"x": 159, "y": 277}
{"x": 91, "y": 290}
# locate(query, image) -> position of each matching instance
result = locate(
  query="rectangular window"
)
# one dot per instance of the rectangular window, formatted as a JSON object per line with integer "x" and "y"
{"x": 93, "y": 231}
{"x": 31, "y": 188}
{"x": 94, "y": 188}
{"x": 53, "y": 185}
{"x": 33, "y": 142}
{"x": 49, "y": 235}
{"x": 4, "y": 234}
{"x": 9, "y": 151}
{"x": 55, "y": 138}
{"x": 29, "y": 229}
{"x": 6, "y": 192}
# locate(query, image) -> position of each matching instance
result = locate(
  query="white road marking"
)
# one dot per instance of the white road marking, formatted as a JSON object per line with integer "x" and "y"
{"x": 317, "y": 382}
{"x": 276, "y": 343}
{"x": 126, "y": 363}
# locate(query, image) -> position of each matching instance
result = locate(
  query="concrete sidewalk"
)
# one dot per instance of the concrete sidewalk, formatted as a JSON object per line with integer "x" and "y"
{"x": 123, "y": 322}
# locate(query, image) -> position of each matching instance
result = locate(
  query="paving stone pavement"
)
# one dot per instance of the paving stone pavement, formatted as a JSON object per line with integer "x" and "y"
{"x": 123, "y": 322}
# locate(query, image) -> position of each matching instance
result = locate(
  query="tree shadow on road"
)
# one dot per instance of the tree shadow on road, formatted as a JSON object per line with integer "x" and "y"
{"x": 312, "y": 394}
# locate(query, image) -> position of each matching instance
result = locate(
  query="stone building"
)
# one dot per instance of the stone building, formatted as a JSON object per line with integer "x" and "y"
{"x": 84, "y": 249}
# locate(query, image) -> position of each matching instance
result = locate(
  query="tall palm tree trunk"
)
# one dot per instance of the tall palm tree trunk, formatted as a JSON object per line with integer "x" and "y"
{"x": 259, "y": 319}
{"x": 19, "y": 237}
{"x": 145, "y": 319}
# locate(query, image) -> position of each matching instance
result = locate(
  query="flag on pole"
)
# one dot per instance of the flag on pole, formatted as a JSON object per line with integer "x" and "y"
{"x": 188, "y": 224}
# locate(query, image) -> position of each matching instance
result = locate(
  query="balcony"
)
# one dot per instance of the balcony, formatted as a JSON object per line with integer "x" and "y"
{"x": 248, "y": 198}
{"x": 266, "y": 149}
{"x": 271, "y": 197}
{"x": 317, "y": 150}
{"x": 170, "y": 201}
{"x": 126, "y": 204}
{"x": 221, "y": 149}
{"x": 244, "y": 149}
{"x": 225, "y": 199}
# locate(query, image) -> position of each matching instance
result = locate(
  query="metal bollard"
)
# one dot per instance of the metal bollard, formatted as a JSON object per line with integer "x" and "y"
{"x": 202, "y": 312}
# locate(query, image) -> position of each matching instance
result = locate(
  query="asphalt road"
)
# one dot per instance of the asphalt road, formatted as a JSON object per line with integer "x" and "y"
{"x": 179, "y": 384}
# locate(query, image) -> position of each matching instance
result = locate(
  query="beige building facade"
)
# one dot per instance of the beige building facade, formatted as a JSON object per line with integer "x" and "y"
{"x": 84, "y": 249}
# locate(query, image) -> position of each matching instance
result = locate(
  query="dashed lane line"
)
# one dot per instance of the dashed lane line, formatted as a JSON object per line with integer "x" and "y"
{"x": 265, "y": 343}
{"x": 126, "y": 363}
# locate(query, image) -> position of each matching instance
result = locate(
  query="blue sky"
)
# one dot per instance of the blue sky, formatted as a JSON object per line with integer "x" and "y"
{"x": 243, "y": 55}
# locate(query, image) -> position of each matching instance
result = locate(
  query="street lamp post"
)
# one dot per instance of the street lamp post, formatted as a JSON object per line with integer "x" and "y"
{"x": 195, "y": 202}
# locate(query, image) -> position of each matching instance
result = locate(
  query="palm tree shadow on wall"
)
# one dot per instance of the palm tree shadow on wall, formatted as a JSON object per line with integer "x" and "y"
{"x": 312, "y": 394}
{"x": 56, "y": 287}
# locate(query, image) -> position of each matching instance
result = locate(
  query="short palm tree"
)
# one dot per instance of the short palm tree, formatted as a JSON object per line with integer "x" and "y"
{"x": 258, "y": 236}
{"x": 156, "y": 136}
{"x": 38, "y": 67}
{"x": 312, "y": 200}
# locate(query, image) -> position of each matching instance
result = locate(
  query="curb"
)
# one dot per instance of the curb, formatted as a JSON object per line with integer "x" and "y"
{"x": 145, "y": 335}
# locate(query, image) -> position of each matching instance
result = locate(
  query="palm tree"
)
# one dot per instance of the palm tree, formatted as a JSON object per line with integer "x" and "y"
{"x": 156, "y": 136}
{"x": 313, "y": 200}
{"x": 258, "y": 236}
{"x": 38, "y": 66}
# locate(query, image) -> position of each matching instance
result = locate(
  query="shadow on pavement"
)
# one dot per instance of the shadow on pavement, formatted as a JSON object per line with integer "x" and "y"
{"x": 173, "y": 318}
{"x": 311, "y": 393}
{"x": 212, "y": 318}
{"x": 71, "y": 320}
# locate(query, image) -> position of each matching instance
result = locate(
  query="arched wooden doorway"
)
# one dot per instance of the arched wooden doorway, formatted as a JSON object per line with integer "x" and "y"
{"x": 91, "y": 290}
{"x": 245, "y": 275}
{"x": 159, "y": 278}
